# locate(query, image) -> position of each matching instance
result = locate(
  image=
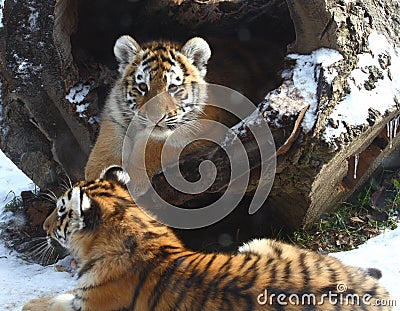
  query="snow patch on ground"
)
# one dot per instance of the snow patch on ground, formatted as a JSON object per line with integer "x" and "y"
{"x": 382, "y": 252}
{"x": 19, "y": 280}
{"x": 354, "y": 108}
{"x": 12, "y": 180}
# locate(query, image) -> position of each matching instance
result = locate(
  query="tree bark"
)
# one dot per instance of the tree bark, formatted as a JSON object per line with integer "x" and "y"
{"x": 57, "y": 66}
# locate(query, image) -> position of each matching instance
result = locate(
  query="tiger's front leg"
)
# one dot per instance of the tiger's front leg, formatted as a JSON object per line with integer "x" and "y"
{"x": 143, "y": 163}
{"x": 148, "y": 159}
{"x": 63, "y": 302}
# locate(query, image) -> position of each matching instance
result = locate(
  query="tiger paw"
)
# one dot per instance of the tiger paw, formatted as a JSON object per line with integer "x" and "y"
{"x": 62, "y": 302}
{"x": 41, "y": 304}
{"x": 139, "y": 181}
{"x": 139, "y": 185}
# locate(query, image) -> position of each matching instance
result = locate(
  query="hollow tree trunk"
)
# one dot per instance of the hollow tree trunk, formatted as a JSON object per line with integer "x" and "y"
{"x": 56, "y": 67}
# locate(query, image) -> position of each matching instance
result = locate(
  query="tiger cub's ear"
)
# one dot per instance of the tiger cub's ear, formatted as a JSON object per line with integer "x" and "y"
{"x": 115, "y": 173}
{"x": 198, "y": 53}
{"x": 125, "y": 49}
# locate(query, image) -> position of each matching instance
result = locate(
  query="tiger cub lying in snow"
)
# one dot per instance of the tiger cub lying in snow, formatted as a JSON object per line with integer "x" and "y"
{"x": 129, "y": 261}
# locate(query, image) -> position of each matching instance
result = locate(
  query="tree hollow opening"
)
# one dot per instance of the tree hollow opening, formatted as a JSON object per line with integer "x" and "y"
{"x": 248, "y": 42}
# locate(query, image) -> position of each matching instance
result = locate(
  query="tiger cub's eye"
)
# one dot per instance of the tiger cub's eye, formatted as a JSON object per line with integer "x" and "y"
{"x": 172, "y": 88}
{"x": 143, "y": 87}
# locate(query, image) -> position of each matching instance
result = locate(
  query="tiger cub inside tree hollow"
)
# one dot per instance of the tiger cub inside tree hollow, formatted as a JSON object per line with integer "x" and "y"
{"x": 126, "y": 260}
{"x": 175, "y": 73}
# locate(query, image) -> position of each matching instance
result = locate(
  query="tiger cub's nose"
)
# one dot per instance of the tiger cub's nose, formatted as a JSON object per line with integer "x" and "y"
{"x": 46, "y": 225}
{"x": 51, "y": 218}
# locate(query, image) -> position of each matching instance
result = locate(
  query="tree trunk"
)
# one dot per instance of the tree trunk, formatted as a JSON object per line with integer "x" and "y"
{"x": 57, "y": 66}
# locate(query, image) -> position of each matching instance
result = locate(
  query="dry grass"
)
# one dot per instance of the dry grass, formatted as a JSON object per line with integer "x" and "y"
{"x": 368, "y": 213}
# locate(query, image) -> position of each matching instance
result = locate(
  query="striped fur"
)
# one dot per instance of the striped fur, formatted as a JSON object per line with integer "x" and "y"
{"x": 128, "y": 261}
{"x": 161, "y": 85}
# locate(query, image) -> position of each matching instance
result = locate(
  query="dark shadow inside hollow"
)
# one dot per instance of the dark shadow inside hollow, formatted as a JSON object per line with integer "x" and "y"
{"x": 247, "y": 54}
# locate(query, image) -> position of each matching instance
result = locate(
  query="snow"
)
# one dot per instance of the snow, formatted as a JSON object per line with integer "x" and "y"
{"x": 78, "y": 93}
{"x": 301, "y": 83}
{"x": 93, "y": 120}
{"x": 11, "y": 179}
{"x": 382, "y": 252}
{"x": 33, "y": 19}
{"x": 76, "y": 96}
{"x": 24, "y": 67}
{"x": 240, "y": 128}
{"x": 1, "y": 13}
{"x": 356, "y": 160}
{"x": 21, "y": 281}
{"x": 81, "y": 109}
{"x": 354, "y": 108}
{"x": 305, "y": 78}
{"x": 391, "y": 130}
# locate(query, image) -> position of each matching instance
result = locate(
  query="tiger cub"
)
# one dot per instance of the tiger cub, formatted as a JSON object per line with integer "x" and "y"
{"x": 175, "y": 73}
{"x": 128, "y": 261}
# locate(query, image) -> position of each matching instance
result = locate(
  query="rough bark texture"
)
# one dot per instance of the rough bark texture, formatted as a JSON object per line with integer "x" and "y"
{"x": 51, "y": 49}
{"x": 319, "y": 173}
{"x": 41, "y": 134}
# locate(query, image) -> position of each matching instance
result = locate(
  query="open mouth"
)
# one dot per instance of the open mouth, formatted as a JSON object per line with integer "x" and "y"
{"x": 160, "y": 131}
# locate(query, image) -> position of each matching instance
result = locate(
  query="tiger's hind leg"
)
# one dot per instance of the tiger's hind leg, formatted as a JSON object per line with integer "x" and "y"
{"x": 58, "y": 303}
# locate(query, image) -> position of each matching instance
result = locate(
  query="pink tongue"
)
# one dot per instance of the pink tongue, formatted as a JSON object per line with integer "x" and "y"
{"x": 73, "y": 264}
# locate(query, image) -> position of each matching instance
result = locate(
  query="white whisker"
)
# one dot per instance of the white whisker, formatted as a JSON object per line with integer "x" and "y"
{"x": 53, "y": 195}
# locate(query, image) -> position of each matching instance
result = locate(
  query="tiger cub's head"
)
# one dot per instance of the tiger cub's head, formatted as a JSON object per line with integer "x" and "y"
{"x": 87, "y": 206}
{"x": 173, "y": 73}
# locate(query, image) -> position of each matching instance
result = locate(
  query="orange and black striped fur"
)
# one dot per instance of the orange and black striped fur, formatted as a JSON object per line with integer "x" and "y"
{"x": 173, "y": 72}
{"x": 129, "y": 261}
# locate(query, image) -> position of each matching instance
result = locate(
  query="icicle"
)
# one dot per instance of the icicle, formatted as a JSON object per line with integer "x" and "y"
{"x": 356, "y": 158}
{"x": 396, "y": 124}
{"x": 390, "y": 133}
{"x": 391, "y": 128}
